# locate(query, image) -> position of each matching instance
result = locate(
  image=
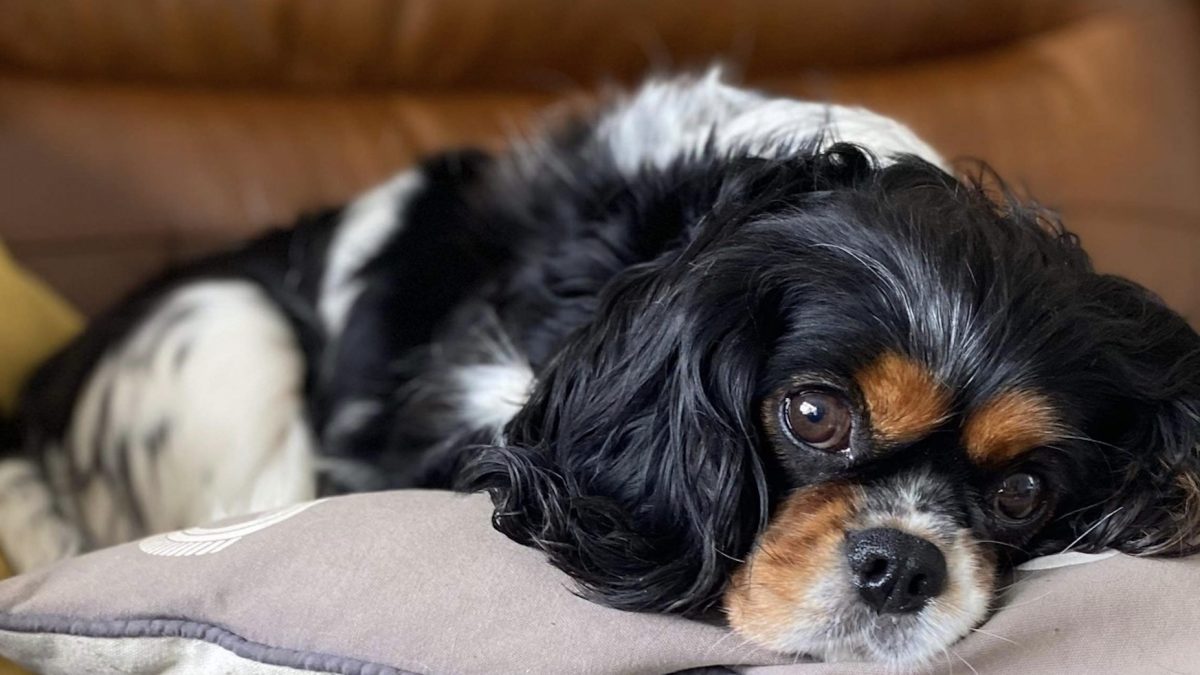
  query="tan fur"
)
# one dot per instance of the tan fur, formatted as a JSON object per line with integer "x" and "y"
{"x": 904, "y": 400}
{"x": 801, "y": 546}
{"x": 1009, "y": 425}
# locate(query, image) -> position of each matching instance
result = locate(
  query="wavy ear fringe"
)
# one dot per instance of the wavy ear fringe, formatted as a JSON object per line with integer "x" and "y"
{"x": 590, "y": 538}
{"x": 635, "y": 464}
{"x": 647, "y": 552}
{"x": 1160, "y": 513}
{"x": 1155, "y": 508}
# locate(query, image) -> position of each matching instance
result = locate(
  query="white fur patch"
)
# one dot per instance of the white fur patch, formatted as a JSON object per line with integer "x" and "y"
{"x": 492, "y": 394}
{"x": 197, "y": 415}
{"x": 366, "y": 225}
{"x": 673, "y": 118}
{"x": 32, "y": 532}
{"x": 477, "y": 383}
{"x": 964, "y": 601}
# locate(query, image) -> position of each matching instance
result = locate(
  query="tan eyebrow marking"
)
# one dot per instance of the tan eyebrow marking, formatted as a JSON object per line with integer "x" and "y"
{"x": 1009, "y": 425}
{"x": 904, "y": 399}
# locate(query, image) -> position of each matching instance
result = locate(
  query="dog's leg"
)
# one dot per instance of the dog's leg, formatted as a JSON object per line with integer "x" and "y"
{"x": 194, "y": 415}
{"x": 32, "y": 531}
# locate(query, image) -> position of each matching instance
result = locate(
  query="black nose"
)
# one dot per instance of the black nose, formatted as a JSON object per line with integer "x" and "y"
{"x": 895, "y": 572}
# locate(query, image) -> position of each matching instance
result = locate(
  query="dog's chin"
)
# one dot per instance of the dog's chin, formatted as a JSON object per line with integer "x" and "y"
{"x": 903, "y": 642}
{"x": 899, "y": 641}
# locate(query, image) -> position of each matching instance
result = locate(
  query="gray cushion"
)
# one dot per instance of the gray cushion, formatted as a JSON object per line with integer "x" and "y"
{"x": 419, "y": 582}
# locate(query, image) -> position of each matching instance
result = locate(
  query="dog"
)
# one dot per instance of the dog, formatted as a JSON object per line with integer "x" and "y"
{"x": 707, "y": 349}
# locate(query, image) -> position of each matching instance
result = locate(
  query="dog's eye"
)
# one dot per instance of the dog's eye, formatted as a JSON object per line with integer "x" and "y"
{"x": 1018, "y": 497}
{"x": 820, "y": 419}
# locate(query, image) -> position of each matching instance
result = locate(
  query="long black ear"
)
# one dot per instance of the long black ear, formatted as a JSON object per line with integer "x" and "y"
{"x": 633, "y": 466}
{"x": 1152, "y": 433}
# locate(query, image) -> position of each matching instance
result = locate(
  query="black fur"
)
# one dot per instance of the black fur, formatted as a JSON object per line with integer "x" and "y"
{"x": 640, "y": 465}
{"x": 659, "y": 309}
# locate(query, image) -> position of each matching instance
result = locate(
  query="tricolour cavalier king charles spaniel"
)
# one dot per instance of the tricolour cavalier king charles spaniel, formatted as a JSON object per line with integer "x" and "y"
{"x": 705, "y": 348}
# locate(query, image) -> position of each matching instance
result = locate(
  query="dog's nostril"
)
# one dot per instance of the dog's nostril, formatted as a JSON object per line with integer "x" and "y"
{"x": 916, "y": 585}
{"x": 876, "y": 569}
{"x": 894, "y": 571}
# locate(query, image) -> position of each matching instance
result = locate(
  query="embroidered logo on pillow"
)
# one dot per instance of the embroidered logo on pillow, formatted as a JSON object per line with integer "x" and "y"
{"x": 206, "y": 540}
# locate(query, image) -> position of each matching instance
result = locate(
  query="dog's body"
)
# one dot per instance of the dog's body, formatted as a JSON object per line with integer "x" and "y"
{"x": 631, "y": 332}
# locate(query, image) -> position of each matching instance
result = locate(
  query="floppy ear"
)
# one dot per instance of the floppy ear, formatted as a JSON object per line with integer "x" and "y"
{"x": 633, "y": 467}
{"x": 634, "y": 464}
{"x": 1163, "y": 496}
{"x": 1154, "y": 426}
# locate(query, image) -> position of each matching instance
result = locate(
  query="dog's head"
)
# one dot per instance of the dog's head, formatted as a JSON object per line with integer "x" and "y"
{"x": 847, "y": 400}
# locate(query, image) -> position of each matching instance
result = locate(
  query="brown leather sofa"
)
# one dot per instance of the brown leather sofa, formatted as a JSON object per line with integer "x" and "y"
{"x": 137, "y": 133}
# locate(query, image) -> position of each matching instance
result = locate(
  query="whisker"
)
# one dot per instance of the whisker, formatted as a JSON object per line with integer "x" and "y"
{"x": 1088, "y": 531}
{"x": 1004, "y": 589}
{"x": 948, "y": 605}
{"x": 742, "y": 643}
{"x": 968, "y": 663}
{"x": 1088, "y": 439}
{"x": 960, "y": 610}
{"x": 708, "y": 652}
{"x": 1001, "y": 543}
{"x": 1068, "y": 514}
{"x": 998, "y": 637}
{"x": 1030, "y": 602}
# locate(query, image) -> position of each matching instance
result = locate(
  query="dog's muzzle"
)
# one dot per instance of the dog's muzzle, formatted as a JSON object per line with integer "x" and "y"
{"x": 877, "y": 572}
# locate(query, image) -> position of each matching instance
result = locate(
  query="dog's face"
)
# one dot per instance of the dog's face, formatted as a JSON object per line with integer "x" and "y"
{"x": 845, "y": 405}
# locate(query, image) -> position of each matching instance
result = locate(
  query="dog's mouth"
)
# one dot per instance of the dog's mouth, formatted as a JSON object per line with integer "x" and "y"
{"x": 838, "y": 576}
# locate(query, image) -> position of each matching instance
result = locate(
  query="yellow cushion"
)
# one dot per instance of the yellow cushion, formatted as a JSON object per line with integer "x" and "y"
{"x": 36, "y": 323}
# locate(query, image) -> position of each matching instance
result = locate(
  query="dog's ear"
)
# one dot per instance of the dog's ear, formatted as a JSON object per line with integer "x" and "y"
{"x": 1151, "y": 436}
{"x": 1163, "y": 494}
{"x": 633, "y": 466}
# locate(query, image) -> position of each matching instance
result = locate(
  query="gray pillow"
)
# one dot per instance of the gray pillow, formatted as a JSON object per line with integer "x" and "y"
{"x": 418, "y": 582}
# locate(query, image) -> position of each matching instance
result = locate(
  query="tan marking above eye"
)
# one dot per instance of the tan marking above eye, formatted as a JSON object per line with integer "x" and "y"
{"x": 802, "y": 545}
{"x": 904, "y": 400}
{"x": 1009, "y": 425}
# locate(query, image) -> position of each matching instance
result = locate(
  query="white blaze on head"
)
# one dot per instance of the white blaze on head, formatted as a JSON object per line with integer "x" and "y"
{"x": 668, "y": 119}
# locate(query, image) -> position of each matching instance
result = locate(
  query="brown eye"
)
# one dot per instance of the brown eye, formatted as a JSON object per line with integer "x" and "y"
{"x": 819, "y": 419}
{"x": 1018, "y": 496}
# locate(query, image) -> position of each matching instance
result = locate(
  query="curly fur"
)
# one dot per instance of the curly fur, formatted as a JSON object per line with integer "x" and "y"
{"x": 651, "y": 277}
